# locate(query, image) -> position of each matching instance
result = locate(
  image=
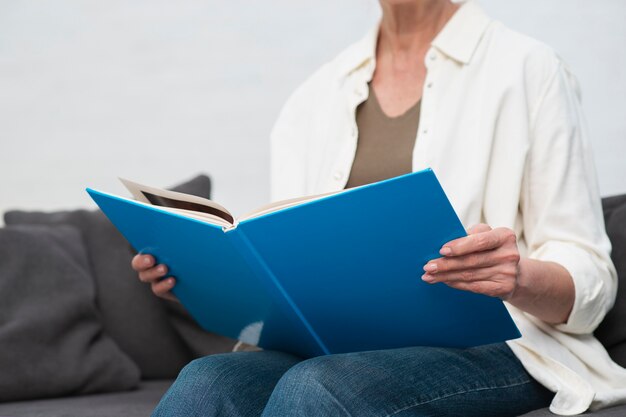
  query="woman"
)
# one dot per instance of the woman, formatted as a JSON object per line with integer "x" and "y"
{"x": 496, "y": 115}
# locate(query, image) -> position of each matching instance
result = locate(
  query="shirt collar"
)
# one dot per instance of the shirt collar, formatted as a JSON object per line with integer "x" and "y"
{"x": 458, "y": 39}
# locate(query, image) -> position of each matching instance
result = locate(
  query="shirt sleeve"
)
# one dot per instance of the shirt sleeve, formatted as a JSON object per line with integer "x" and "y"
{"x": 561, "y": 205}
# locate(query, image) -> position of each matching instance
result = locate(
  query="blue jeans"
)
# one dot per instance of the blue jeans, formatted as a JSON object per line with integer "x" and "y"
{"x": 418, "y": 381}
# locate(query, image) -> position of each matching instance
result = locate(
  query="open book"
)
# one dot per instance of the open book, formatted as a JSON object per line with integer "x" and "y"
{"x": 202, "y": 208}
{"x": 316, "y": 275}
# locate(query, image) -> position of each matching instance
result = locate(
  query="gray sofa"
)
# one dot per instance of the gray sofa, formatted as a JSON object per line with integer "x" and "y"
{"x": 121, "y": 350}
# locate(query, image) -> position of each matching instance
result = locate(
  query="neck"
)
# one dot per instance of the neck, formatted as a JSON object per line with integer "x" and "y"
{"x": 411, "y": 26}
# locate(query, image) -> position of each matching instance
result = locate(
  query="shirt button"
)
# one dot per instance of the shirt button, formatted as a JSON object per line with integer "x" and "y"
{"x": 429, "y": 85}
{"x": 432, "y": 56}
{"x": 338, "y": 175}
{"x": 425, "y": 130}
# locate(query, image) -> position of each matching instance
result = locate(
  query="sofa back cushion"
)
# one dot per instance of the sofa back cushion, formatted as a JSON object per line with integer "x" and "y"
{"x": 53, "y": 343}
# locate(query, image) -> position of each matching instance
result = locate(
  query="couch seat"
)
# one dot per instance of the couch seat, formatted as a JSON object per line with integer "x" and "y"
{"x": 136, "y": 403}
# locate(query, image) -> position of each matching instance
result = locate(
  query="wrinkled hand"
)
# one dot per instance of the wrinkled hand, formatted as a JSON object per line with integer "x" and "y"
{"x": 486, "y": 262}
{"x": 154, "y": 275}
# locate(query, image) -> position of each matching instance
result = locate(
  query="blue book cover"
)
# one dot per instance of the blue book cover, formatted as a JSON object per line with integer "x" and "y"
{"x": 337, "y": 274}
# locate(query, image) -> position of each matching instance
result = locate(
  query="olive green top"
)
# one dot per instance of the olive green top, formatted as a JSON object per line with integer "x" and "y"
{"x": 385, "y": 144}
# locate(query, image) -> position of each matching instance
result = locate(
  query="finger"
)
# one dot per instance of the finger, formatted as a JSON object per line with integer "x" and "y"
{"x": 142, "y": 262}
{"x": 477, "y": 242}
{"x": 478, "y": 228}
{"x": 480, "y": 274}
{"x": 164, "y": 287}
{"x": 153, "y": 274}
{"x": 458, "y": 263}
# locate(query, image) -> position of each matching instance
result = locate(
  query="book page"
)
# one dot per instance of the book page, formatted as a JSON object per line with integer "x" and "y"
{"x": 186, "y": 203}
{"x": 283, "y": 204}
{"x": 197, "y": 215}
{"x": 205, "y": 209}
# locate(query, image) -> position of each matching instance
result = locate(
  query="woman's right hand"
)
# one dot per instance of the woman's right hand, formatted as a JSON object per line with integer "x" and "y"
{"x": 154, "y": 275}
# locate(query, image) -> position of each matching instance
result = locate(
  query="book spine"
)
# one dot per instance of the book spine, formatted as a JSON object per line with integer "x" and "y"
{"x": 258, "y": 264}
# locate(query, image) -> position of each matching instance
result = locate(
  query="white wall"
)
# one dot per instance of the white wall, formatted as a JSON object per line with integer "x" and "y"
{"x": 159, "y": 90}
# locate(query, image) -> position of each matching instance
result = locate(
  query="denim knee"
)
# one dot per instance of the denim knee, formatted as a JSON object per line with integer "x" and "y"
{"x": 201, "y": 388}
{"x": 310, "y": 388}
{"x": 230, "y": 384}
{"x": 207, "y": 371}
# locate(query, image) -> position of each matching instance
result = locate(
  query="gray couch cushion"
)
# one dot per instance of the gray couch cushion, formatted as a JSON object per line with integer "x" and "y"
{"x": 129, "y": 312}
{"x": 158, "y": 335}
{"x": 136, "y": 403}
{"x": 612, "y": 331}
{"x": 52, "y": 342}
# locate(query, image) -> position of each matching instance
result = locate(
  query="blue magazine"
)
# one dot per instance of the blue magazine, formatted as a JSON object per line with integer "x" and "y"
{"x": 339, "y": 273}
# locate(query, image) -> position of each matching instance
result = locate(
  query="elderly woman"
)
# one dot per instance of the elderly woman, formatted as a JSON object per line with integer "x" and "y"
{"x": 496, "y": 115}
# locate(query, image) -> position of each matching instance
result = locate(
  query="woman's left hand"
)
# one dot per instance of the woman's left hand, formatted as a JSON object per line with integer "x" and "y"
{"x": 486, "y": 262}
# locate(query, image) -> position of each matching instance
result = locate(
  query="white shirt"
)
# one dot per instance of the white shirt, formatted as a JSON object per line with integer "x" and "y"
{"x": 501, "y": 126}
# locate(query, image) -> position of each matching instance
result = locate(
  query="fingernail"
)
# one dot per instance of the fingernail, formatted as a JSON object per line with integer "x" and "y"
{"x": 170, "y": 282}
{"x": 430, "y": 267}
{"x": 427, "y": 278}
{"x": 146, "y": 260}
{"x": 445, "y": 251}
